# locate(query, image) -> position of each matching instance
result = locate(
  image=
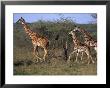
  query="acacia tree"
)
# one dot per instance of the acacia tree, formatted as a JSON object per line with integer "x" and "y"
{"x": 94, "y": 16}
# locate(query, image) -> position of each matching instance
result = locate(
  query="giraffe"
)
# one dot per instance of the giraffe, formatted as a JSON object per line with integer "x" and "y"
{"x": 88, "y": 39}
{"x": 37, "y": 40}
{"x": 80, "y": 47}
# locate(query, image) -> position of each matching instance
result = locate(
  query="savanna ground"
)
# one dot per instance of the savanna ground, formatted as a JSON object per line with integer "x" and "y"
{"x": 55, "y": 64}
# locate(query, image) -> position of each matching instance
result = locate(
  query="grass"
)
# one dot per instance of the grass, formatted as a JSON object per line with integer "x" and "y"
{"x": 24, "y": 64}
{"x": 55, "y": 64}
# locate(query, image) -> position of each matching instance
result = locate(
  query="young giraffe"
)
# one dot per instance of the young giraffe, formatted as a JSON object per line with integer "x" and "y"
{"x": 88, "y": 39}
{"x": 80, "y": 48}
{"x": 37, "y": 40}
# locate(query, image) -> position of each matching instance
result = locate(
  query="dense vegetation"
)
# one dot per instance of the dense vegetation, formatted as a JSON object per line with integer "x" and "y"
{"x": 55, "y": 63}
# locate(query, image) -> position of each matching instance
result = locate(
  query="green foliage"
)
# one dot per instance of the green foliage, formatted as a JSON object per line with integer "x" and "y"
{"x": 55, "y": 65}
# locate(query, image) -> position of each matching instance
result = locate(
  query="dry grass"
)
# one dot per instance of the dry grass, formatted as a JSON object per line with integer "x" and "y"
{"x": 24, "y": 64}
{"x": 24, "y": 61}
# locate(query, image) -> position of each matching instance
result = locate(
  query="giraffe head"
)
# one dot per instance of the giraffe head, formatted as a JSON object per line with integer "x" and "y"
{"x": 76, "y": 28}
{"x": 72, "y": 32}
{"x": 21, "y": 20}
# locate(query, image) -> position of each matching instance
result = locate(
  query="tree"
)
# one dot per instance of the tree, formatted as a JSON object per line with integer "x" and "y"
{"x": 94, "y": 15}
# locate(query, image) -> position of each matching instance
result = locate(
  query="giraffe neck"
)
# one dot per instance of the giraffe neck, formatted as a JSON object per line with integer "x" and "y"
{"x": 75, "y": 40}
{"x": 87, "y": 35}
{"x": 28, "y": 30}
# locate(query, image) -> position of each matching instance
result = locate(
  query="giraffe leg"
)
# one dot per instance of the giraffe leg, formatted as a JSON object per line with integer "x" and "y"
{"x": 89, "y": 57}
{"x": 70, "y": 56}
{"x": 34, "y": 52}
{"x": 35, "y": 47}
{"x": 92, "y": 59}
{"x": 82, "y": 54}
{"x": 45, "y": 50}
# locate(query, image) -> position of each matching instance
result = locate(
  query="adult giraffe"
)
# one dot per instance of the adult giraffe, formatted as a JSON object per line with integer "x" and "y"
{"x": 88, "y": 39}
{"x": 80, "y": 48}
{"x": 37, "y": 40}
